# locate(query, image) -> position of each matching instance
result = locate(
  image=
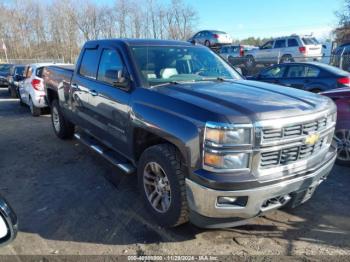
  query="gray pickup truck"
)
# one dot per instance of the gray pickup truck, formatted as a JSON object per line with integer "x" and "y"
{"x": 207, "y": 145}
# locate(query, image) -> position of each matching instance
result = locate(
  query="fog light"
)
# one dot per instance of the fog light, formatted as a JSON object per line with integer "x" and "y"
{"x": 225, "y": 200}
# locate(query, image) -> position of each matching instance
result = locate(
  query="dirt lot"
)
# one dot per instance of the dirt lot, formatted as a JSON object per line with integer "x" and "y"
{"x": 66, "y": 206}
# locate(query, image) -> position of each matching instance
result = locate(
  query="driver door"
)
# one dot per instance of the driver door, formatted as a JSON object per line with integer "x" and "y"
{"x": 265, "y": 52}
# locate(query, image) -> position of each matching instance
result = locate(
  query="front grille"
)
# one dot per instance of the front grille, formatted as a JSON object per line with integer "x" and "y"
{"x": 289, "y": 155}
{"x": 295, "y": 130}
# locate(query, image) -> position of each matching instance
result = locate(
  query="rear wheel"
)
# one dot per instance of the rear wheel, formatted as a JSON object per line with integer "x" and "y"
{"x": 63, "y": 128}
{"x": 161, "y": 179}
{"x": 286, "y": 59}
{"x": 249, "y": 61}
{"x": 342, "y": 138}
{"x": 35, "y": 111}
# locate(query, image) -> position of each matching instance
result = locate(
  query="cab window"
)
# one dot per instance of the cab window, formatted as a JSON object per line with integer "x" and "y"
{"x": 110, "y": 65}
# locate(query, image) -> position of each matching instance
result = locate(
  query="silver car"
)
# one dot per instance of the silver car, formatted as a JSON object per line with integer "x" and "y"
{"x": 211, "y": 38}
{"x": 294, "y": 48}
{"x": 234, "y": 54}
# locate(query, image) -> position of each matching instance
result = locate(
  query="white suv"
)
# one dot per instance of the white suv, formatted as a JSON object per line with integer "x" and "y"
{"x": 294, "y": 48}
{"x": 31, "y": 91}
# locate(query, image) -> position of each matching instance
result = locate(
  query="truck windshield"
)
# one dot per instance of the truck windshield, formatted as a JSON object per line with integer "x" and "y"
{"x": 159, "y": 64}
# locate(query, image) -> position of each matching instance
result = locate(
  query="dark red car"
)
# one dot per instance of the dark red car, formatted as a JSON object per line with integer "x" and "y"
{"x": 341, "y": 97}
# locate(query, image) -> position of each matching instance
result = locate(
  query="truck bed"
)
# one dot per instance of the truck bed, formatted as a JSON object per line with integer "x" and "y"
{"x": 58, "y": 76}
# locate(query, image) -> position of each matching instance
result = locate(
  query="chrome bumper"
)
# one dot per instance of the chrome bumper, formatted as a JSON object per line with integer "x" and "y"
{"x": 203, "y": 200}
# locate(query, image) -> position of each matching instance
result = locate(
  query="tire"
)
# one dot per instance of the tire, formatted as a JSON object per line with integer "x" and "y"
{"x": 13, "y": 93}
{"x": 207, "y": 43}
{"x": 286, "y": 59}
{"x": 316, "y": 90}
{"x": 21, "y": 101}
{"x": 249, "y": 61}
{"x": 35, "y": 111}
{"x": 342, "y": 138}
{"x": 63, "y": 128}
{"x": 163, "y": 163}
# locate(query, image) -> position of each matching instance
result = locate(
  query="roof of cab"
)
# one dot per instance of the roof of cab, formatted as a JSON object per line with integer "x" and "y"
{"x": 139, "y": 42}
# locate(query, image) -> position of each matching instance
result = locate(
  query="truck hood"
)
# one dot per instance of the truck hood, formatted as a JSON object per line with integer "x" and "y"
{"x": 247, "y": 99}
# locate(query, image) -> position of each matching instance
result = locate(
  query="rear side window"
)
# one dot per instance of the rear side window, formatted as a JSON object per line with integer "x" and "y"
{"x": 109, "y": 66}
{"x": 303, "y": 71}
{"x": 275, "y": 72}
{"x": 280, "y": 43}
{"x": 312, "y": 71}
{"x": 39, "y": 72}
{"x": 88, "y": 66}
{"x": 292, "y": 42}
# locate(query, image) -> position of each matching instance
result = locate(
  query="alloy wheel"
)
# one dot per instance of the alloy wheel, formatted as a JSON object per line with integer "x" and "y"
{"x": 342, "y": 138}
{"x": 157, "y": 187}
{"x": 56, "y": 119}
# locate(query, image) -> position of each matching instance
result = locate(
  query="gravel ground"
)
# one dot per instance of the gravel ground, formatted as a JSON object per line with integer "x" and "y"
{"x": 65, "y": 205}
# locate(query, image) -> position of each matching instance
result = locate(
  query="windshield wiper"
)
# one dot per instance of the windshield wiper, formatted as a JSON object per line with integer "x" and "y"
{"x": 170, "y": 83}
{"x": 220, "y": 79}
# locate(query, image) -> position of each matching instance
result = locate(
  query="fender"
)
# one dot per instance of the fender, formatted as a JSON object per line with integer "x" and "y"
{"x": 172, "y": 127}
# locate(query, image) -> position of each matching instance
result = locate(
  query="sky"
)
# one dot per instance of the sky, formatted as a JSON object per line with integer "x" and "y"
{"x": 265, "y": 18}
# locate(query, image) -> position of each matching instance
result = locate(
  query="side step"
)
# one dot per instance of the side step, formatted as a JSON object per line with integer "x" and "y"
{"x": 116, "y": 159}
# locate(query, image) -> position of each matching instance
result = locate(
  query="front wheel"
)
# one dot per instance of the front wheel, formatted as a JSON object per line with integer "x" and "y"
{"x": 342, "y": 138}
{"x": 249, "y": 61}
{"x": 63, "y": 128}
{"x": 161, "y": 180}
{"x": 207, "y": 43}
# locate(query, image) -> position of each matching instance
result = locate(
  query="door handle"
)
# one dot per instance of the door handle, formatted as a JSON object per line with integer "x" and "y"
{"x": 93, "y": 93}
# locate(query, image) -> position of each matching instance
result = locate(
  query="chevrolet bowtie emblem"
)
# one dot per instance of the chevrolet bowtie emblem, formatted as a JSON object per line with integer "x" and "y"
{"x": 312, "y": 139}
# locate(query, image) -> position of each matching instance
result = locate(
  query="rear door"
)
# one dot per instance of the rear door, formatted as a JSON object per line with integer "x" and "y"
{"x": 82, "y": 85}
{"x": 301, "y": 76}
{"x": 111, "y": 103}
{"x": 278, "y": 50}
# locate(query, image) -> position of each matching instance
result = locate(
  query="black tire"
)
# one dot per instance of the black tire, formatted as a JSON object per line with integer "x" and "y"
{"x": 249, "y": 61}
{"x": 63, "y": 128}
{"x": 35, "y": 111}
{"x": 21, "y": 101}
{"x": 342, "y": 138}
{"x": 168, "y": 158}
{"x": 316, "y": 90}
{"x": 286, "y": 59}
{"x": 207, "y": 43}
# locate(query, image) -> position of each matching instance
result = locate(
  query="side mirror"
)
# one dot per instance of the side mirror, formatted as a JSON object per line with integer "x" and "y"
{"x": 123, "y": 79}
{"x": 8, "y": 223}
{"x": 324, "y": 46}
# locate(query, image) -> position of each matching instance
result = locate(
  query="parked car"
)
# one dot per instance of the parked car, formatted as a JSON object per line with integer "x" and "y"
{"x": 234, "y": 54}
{"x": 294, "y": 48}
{"x": 16, "y": 76}
{"x": 4, "y": 73}
{"x": 211, "y": 38}
{"x": 207, "y": 145}
{"x": 31, "y": 91}
{"x": 310, "y": 76}
{"x": 342, "y": 132}
{"x": 341, "y": 57}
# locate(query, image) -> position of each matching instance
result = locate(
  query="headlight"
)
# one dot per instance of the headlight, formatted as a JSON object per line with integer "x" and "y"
{"x": 227, "y": 161}
{"x": 237, "y": 136}
{"x": 227, "y": 146}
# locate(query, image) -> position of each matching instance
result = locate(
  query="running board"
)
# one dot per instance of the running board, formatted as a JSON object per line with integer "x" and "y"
{"x": 113, "y": 157}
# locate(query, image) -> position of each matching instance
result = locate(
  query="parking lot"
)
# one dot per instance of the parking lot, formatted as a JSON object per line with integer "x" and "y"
{"x": 65, "y": 205}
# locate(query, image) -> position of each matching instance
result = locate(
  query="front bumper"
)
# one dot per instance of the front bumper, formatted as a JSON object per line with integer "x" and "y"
{"x": 204, "y": 201}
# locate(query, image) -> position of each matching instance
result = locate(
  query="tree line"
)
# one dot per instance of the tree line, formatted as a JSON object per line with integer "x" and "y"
{"x": 58, "y": 28}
